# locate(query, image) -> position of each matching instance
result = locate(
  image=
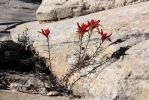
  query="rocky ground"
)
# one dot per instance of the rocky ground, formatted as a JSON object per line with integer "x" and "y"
{"x": 8, "y": 95}
{"x": 17, "y": 10}
{"x": 121, "y": 70}
{"x": 21, "y": 76}
{"x": 14, "y": 12}
{"x": 22, "y": 70}
{"x": 125, "y": 75}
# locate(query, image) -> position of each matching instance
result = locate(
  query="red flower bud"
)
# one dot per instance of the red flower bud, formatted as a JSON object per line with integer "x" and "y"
{"x": 82, "y": 29}
{"x": 45, "y": 32}
{"x": 104, "y": 36}
{"x": 93, "y": 23}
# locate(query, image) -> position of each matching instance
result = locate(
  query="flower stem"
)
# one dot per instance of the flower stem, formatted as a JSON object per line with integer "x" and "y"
{"x": 97, "y": 50}
{"x": 86, "y": 46}
{"x": 49, "y": 50}
{"x": 80, "y": 48}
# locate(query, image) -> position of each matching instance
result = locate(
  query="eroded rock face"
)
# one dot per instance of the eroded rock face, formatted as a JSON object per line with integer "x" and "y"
{"x": 51, "y": 10}
{"x": 124, "y": 76}
{"x": 18, "y": 10}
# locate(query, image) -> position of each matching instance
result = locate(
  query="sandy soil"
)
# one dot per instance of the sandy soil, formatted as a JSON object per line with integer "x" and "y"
{"x": 8, "y": 95}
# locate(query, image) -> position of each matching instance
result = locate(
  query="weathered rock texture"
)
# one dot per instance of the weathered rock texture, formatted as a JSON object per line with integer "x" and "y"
{"x": 22, "y": 70}
{"x": 125, "y": 75}
{"x": 7, "y": 95}
{"x": 17, "y": 10}
{"x": 51, "y": 10}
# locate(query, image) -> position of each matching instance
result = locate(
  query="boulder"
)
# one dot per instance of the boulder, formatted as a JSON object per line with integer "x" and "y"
{"x": 64, "y": 12}
{"x": 18, "y": 10}
{"x": 120, "y": 3}
{"x": 124, "y": 75}
{"x": 50, "y": 10}
{"x": 44, "y": 14}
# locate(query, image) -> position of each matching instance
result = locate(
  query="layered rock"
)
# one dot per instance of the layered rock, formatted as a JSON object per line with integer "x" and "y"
{"x": 124, "y": 75}
{"x": 51, "y": 10}
{"x": 17, "y": 10}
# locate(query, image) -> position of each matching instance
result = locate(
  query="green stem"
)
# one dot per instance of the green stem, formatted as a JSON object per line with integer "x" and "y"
{"x": 96, "y": 52}
{"x": 49, "y": 50}
{"x": 89, "y": 39}
{"x": 80, "y": 48}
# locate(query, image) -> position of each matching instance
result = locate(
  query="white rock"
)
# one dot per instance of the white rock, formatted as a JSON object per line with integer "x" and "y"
{"x": 14, "y": 87}
{"x": 124, "y": 77}
{"x": 43, "y": 91}
{"x": 120, "y": 3}
{"x": 53, "y": 93}
{"x": 70, "y": 8}
{"x": 63, "y": 12}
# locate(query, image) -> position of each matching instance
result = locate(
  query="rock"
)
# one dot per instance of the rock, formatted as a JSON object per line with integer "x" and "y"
{"x": 36, "y": 85}
{"x": 42, "y": 13}
{"x": 64, "y": 12}
{"x": 73, "y": 60}
{"x": 53, "y": 93}
{"x": 55, "y": 10}
{"x": 4, "y": 35}
{"x": 29, "y": 85}
{"x": 22, "y": 11}
{"x": 124, "y": 75}
{"x": 120, "y": 3}
{"x": 33, "y": 81}
{"x": 43, "y": 91}
{"x": 15, "y": 87}
{"x": 95, "y": 8}
{"x": 8, "y": 95}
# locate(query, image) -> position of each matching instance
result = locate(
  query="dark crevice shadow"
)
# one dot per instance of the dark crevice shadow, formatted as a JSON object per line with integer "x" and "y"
{"x": 32, "y": 1}
{"x": 121, "y": 52}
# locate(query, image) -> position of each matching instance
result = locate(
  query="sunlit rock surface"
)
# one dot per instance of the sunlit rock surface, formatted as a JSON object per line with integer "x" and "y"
{"x": 18, "y": 10}
{"x": 51, "y": 10}
{"x": 125, "y": 76}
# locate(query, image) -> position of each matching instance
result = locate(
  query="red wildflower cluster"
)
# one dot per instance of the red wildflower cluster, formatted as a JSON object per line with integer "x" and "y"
{"x": 104, "y": 36}
{"x": 45, "y": 32}
{"x": 91, "y": 25}
{"x": 82, "y": 29}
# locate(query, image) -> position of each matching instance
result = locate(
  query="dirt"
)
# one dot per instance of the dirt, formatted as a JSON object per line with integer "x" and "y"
{"x": 9, "y": 95}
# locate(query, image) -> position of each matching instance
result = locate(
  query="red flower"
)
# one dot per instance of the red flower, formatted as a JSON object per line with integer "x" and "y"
{"x": 82, "y": 29}
{"x": 104, "y": 36}
{"x": 45, "y": 32}
{"x": 93, "y": 23}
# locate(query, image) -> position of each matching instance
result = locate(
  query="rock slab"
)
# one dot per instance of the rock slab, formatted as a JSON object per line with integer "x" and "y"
{"x": 51, "y": 10}
{"x": 125, "y": 75}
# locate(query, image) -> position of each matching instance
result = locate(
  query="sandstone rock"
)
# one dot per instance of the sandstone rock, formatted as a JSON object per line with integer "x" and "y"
{"x": 43, "y": 91}
{"x": 45, "y": 15}
{"x": 4, "y": 35}
{"x": 53, "y": 93}
{"x": 15, "y": 87}
{"x": 70, "y": 8}
{"x": 32, "y": 85}
{"x": 120, "y": 3}
{"x": 125, "y": 73}
{"x": 63, "y": 12}
{"x": 33, "y": 81}
{"x": 95, "y": 8}
{"x": 22, "y": 11}
{"x": 72, "y": 60}
{"x": 8, "y": 95}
